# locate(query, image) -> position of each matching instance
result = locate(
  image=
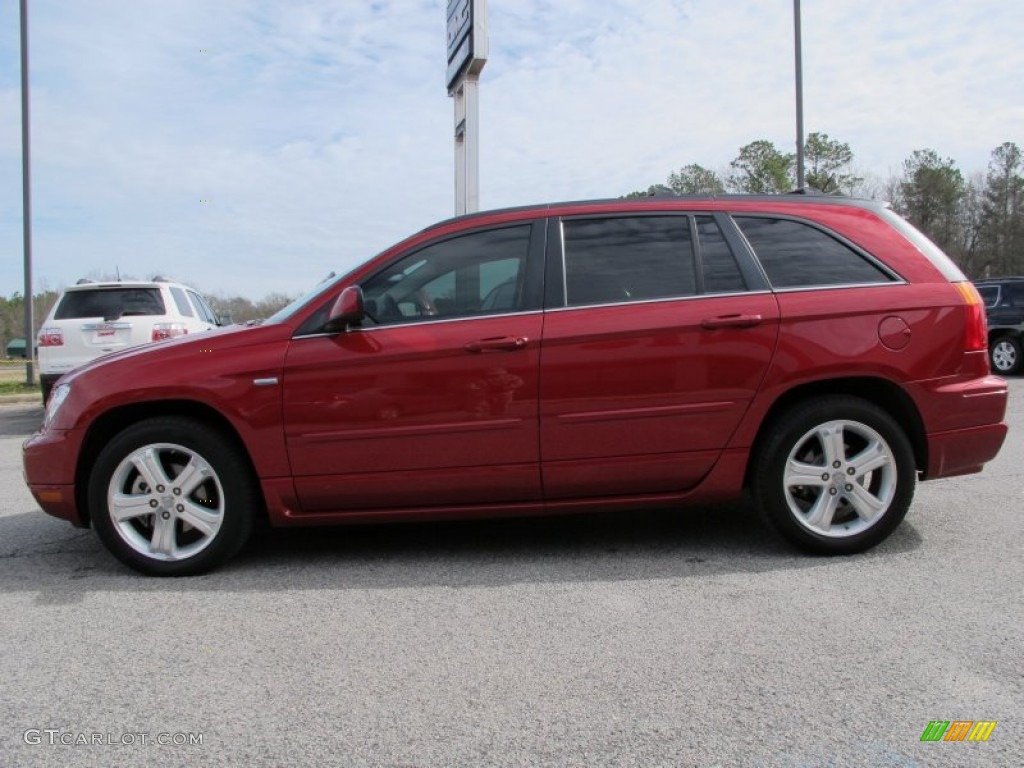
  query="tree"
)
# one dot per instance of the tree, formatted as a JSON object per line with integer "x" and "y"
{"x": 931, "y": 191}
{"x": 654, "y": 189}
{"x": 760, "y": 168}
{"x": 825, "y": 160}
{"x": 695, "y": 179}
{"x": 1001, "y": 230}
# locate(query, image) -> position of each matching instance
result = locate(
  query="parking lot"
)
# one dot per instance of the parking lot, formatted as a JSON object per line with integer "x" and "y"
{"x": 670, "y": 639}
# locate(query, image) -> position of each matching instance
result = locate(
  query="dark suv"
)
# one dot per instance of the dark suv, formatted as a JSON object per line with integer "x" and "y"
{"x": 610, "y": 355}
{"x": 1004, "y": 308}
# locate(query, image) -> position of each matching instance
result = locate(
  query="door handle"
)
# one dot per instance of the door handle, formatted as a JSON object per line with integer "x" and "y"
{"x": 496, "y": 344}
{"x": 731, "y": 321}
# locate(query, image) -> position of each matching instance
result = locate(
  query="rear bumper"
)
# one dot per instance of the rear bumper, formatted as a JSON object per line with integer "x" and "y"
{"x": 963, "y": 420}
{"x": 963, "y": 451}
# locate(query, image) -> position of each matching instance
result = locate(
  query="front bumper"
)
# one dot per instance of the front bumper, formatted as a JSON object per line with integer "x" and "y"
{"x": 49, "y": 460}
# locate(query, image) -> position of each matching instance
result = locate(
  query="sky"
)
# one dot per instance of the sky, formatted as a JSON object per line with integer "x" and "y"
{"x": 248, "y": 147}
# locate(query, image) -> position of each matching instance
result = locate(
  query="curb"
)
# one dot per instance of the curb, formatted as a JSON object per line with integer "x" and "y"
{"x": 28, "y": 397}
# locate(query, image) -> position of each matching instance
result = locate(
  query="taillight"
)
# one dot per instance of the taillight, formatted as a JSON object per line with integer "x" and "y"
{"x": 163, "y": 331}
{"x": 51, "y": 337}
{"x": 976, "y": 333}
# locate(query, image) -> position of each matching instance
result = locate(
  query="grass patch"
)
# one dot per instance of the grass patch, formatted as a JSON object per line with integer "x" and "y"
{"x": 17, "y": 388}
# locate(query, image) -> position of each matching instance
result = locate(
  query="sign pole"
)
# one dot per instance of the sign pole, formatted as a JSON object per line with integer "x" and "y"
{"x": 467, "y": 54}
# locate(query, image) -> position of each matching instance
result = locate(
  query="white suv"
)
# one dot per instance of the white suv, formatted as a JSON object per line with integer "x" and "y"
{"x": 93, "y": 319}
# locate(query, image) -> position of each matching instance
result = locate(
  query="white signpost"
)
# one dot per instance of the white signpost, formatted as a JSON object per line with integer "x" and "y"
{"x": 467, "y": 54}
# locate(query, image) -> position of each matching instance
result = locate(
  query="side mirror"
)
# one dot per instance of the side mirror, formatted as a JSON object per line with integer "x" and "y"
{"x": 347, "y": 310}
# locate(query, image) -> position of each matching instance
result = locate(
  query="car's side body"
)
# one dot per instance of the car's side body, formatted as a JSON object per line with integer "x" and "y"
{"x": 565, "y": 402}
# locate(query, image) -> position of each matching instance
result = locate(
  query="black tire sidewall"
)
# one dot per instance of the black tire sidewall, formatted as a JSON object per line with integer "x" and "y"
{"x": 781, "y": 438}
{"x": 231, "y": 470}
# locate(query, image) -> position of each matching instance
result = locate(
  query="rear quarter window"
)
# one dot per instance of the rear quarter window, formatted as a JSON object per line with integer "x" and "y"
{"x": 110, "y": 303}
{"x": 797, "y": 255}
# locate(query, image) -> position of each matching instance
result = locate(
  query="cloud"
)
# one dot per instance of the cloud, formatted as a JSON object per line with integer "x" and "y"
{"x": 322, "y": 133}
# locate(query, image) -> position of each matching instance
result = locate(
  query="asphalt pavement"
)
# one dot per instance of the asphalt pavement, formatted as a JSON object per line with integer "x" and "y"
{"x": 682, "y": 638}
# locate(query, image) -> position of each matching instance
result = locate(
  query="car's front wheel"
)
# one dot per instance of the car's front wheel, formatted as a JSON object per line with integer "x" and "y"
{"x": 834, "y": 475}
{"x": 172, "y": 496}
{"x": 1005, "y": 355}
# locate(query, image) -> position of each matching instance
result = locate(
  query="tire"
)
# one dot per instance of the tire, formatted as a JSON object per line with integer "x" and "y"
{"x": 819, "y": 506}
{"x": 153, "y": 511}
{"x": 1004, "y": 354}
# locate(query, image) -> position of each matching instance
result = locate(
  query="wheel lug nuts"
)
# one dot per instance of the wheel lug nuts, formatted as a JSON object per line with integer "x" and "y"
{"x": 154, "y": 503}
{"x": 824, "y": 476}
{"x": 849, "y": 487}
{"x": 181, "y": 507}
{"x": 165, "y": 515}
{"x": 832, "y": 491}
{"x": 851, "y": 471}
{"x": 836, "y": 464}
{"x": 177, "y": 491}
{"x": 159, "y": 489}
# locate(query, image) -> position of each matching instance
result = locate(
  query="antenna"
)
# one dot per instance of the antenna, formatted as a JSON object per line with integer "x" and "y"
{"x": 117, "y": 269}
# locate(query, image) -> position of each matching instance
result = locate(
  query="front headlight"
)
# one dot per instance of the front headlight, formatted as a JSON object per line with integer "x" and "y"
{"x": 57, "y": 397}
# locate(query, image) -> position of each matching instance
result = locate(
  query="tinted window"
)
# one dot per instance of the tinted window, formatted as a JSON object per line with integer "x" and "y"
{"x": 627, "y": 259}
{"x": 989, "y": 294}
{"x": 796, "y": 255}
{"x": 721, "y": 273}
{"x": 474, "y": 274}
{"x": 181, "y": 302}
{"x": 202, "y": 308}
{"x": 1013, "y": 294}
{"x": 110, "y": 303}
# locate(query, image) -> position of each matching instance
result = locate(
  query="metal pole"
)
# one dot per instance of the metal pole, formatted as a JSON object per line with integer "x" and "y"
{"x": 467, "y": 145}
{"x": 26, "y": 203}
{"x": 799, "y": 99}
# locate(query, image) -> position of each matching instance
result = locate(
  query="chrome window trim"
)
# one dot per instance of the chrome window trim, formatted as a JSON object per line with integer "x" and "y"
{"x": 661, "y": 300}
{"x": 433, "y": 321}
{"x": 841, "y": 286}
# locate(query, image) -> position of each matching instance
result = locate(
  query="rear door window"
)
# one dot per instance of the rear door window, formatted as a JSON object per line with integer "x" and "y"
{"x": 797, "y": 255}
{"x": 630, "y": 258}
{"x": 110, "y": 303}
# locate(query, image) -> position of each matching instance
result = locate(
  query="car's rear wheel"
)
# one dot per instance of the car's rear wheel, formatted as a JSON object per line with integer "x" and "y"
{"x": 172, "y": 497}
{"x": 1005, "y": 354}
{"x": 835, "y": 475}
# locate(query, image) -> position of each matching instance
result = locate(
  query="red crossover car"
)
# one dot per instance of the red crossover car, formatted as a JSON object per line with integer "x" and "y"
{"x": 582, "y": 356}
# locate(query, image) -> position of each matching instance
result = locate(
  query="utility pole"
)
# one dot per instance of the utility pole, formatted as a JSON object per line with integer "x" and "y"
{"x": 799, "y": 98}
{"x": 26, "y": 203}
